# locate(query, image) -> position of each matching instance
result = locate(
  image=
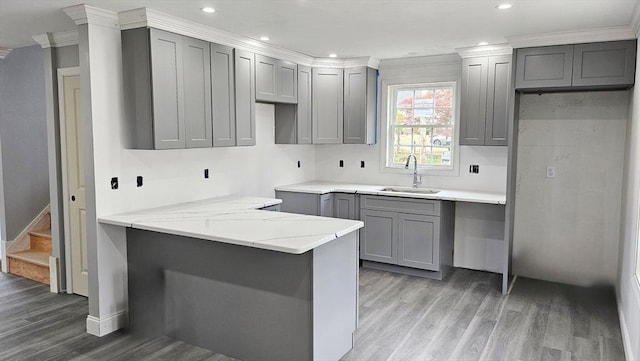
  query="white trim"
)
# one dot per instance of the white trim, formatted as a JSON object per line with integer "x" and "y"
{"x": 54, "y": 274}
{"x": 101, "y": 327}
{"x": 22, "y": 241}
{"x": 4, "y": 52}
{"x": 56, "y": 40}
{"x": 63, "y": 72}
{"x": 346, "y": 63}
{"x": 572, "y": 37}
{"x": 384, "y": 124}
{"x": 486, "y": 50}
{"x": 3, "y": 252}
{"x": 419, "y": 62}
{"x": 85, "y": 14}
{"x": 624, "y": 330}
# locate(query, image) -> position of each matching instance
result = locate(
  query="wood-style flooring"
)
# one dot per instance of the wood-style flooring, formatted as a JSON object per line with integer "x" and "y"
{"x": 401, "y": 318}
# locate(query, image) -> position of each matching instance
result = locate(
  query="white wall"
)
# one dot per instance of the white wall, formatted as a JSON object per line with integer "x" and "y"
{"x": 628, "y": 285}
{"x": 170, "y": 176}
{"x": 567, "y": 228}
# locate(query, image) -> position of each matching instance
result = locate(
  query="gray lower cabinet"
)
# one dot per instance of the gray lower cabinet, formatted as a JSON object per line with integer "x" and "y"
{"x": 606, "y": 65}
{"x": 245, "y": 94}
{"x": 223, "y": 96}
{"x": 408, "y": 232}
{"x": 167, "y": 90}
{"x": 276, "y": 80}
{"x": 486, "y": 89}
{"x": 306, "y": 203}
{"x": 360, "y": 105}
{"x": 293, "y": 121}
{"x": 327, "y": 105}
{"x": 345, "y": 206}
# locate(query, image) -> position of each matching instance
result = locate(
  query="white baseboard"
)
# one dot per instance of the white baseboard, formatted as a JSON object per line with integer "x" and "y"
{"x": 101, "y": 327}
{"x": 626, "y": 338}
{"x": 54, "y": 272}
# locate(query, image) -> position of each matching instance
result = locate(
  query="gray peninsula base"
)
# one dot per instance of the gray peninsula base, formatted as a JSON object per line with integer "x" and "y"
{"x": 244, "y": 302}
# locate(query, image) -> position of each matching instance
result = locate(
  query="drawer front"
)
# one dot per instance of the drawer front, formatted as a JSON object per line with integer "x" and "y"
{"x": 401, "y": 204}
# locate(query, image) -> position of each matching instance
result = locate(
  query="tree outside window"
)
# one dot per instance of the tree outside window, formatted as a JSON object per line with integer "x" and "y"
{"x": 421, "y": 122}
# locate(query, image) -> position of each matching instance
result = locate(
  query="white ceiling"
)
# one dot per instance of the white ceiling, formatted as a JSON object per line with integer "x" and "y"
{"x": 351, "y": 28}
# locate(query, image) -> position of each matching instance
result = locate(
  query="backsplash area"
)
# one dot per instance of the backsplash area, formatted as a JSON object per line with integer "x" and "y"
{"x": 491, "y": 177}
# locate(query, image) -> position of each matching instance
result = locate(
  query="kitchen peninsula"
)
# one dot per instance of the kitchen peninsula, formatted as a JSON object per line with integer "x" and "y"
{"x": 248, "y": 283}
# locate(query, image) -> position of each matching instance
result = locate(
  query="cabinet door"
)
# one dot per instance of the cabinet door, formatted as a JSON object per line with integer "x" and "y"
{"x": 546, "y": 67}
{"x": 303, "y": 111}
{"x": 418, "y": 241}
{"x": 168, "y": 95}
{"x": 344, "y": 206}
{"x": 378, "y": 240}
{"x": 266, "y": 78}
{"x": 474, "y": 101}
{"x": 325, "y": 205}
{"x": 360, "y": 105}
{"x": 287, "y": 86}
{"x": 498, "y": 95}
{"x": 245, "y": 98}
{"x": 604, "y": 64}
{"x": 327, "y": 105}
{"x": 223, "y": 96}
{"x": 197, "y": 93}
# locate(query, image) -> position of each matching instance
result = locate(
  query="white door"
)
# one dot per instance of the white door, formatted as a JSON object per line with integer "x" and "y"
{"x": 76, "y": 216}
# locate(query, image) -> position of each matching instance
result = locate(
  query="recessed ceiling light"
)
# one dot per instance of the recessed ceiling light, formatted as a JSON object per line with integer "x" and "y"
{"x": 504, "y": 6}
{"x": 333, "y": 55}
{"x": 264, "y": 38}
{"x": 209, "y": 10}
{"x": 483, "y": 43}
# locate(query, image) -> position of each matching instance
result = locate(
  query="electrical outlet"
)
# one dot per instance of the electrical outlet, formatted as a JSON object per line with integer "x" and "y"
{"x": 139, "y": 181}
{"x": 362, "y": 164}
{"x": 341, "y": 163}
{"x": 114, "y": 183}
{"x": 474, "y": 168}
{"x": 551, "y": 171}
{"x": 299, "y": 164}
{"x": 206, "y": 173}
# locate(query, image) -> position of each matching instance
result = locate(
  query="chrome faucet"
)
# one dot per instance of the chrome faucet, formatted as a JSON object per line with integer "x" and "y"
{"x": 417, "y": 178}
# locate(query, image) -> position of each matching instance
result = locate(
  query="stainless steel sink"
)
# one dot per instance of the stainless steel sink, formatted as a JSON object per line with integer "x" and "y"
{"x": 410, "y": 190}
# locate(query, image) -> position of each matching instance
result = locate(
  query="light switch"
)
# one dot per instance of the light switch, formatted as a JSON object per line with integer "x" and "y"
{"x": 551, "y": 171}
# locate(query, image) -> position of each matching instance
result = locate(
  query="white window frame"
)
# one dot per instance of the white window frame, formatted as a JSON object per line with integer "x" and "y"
{"x": 386, "y": 136}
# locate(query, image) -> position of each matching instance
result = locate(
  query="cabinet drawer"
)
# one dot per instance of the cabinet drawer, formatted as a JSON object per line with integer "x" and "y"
{"x": 400, "y": 204}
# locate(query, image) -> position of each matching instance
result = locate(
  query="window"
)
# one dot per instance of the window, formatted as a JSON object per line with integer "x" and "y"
{"x": 421, "y": 122}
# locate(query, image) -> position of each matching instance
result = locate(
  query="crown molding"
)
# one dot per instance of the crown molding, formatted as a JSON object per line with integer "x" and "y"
{"x": 4, "y": 52}
{"x": 145, "y": 17}
{"x": 85, "y": 14}
{"x": 573, "y": 37}
{"x": 346, "y": 63}
{"x": 56, "y": 40}
{"x": 485, "y": 50}
{"x": 419, "y": 61}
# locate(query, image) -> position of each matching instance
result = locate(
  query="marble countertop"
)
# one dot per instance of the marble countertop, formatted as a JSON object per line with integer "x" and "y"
{"x": 322, "y": 187}
{"x": 238, "y": 220}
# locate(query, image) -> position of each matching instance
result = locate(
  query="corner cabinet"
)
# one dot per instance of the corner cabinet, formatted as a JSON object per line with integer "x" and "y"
{"x": 486, "y": 90}
{"x": 327, "y": 108}
{"x": 360, "y": 85}
{"x": 167, "y": 90}
{"x": 407, "y": 235}
{"x": 592, "y": 66}
{"x": 276, "y": 80}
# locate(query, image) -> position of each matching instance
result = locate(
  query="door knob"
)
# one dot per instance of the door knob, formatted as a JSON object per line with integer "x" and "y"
{"x": 73, "y": 198}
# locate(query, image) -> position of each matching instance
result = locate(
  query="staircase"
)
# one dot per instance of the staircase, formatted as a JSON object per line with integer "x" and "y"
{"x": 33, "y": 263}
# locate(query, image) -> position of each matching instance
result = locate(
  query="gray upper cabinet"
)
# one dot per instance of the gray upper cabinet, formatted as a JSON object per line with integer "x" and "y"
{"x": 223, "y": 96}
{"x": 167, "y": 90}
{"x": 327, "y": 105}
{"x": 293, "y": 121}
{"x": 276, "y": 80}
{"x": 486, "y": 89}
{"x": 602, "y": 64}
{"x": 245, "y": 95}
{"x": 196, "y": 72}
{"x": 545, "y": 67}
{"x": 607, "y": 65}
{"x": 360, "y": 105}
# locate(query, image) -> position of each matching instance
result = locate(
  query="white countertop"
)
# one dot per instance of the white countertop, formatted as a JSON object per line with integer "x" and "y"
{"x": 322, "y": 187}
{"x": 237, "y": 220}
